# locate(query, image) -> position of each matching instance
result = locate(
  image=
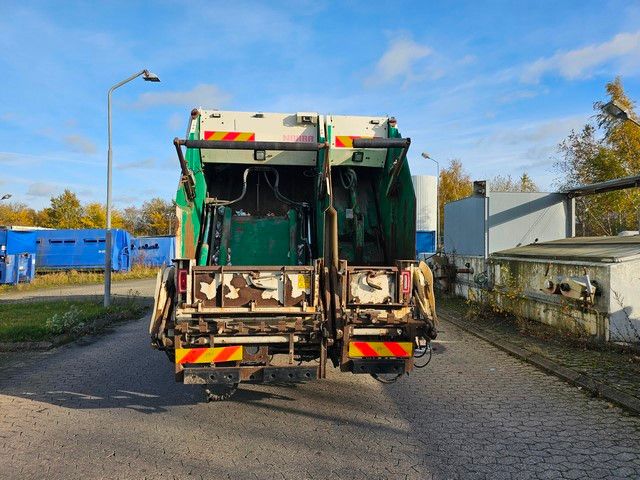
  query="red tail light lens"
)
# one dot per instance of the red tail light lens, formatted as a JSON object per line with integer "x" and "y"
{"x": 406, "y": 281}
{"x": 182, "y": 281}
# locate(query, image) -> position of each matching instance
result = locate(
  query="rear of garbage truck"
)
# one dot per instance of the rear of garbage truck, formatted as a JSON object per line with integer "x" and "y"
{"x": 295, "y": 246}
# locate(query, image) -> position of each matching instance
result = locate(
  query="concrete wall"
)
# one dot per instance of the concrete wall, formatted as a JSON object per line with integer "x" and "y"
{"x": 516, "y": 285}
{"x": 624, "y": 301}
{"x": 521, "y": 282}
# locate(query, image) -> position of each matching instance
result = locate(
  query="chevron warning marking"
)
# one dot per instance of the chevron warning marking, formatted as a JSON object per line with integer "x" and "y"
{"x": 230, "y": 136}
{"x": 208, "y": 355}
{"x": 380, "y": 349}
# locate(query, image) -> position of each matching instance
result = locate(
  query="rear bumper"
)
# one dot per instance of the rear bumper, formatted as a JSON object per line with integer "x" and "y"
{"x": 376, "y": 366}
{"x": 249, "y": 374}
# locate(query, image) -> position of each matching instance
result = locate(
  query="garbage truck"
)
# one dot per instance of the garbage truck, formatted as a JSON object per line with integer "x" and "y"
{"x": 295, "y": 247}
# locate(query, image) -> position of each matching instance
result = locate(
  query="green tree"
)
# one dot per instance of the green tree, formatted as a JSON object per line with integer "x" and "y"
{"x": 604, "y": 149}
{"x": 65, "y": 211}
{"x": 526, "y": 184}
{"x": 501, "y": 183}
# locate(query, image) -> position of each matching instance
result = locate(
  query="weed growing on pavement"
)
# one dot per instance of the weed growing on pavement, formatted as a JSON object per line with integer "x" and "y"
{"x": 44, "y": 320}
{"x": 506, "y": 302}
{"x": 70, "y": 321}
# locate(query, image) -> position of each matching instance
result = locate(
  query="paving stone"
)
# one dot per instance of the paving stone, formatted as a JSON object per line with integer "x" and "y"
{"x": 111, "y": 409}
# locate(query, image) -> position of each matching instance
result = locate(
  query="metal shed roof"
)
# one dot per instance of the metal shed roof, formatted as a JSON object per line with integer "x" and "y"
{"x": 589, "y": 249}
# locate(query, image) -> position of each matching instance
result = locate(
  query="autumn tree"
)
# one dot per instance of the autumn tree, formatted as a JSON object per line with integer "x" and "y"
{"x": 94, "y": 215}
{"x": 604, "y": 149}
{"x": 455, "y": 183}
{"x": 154, "y": 217}
{"x": 65, "y": 211}
{"x": 17, "y": 214}
{"x": 157, "y": 217}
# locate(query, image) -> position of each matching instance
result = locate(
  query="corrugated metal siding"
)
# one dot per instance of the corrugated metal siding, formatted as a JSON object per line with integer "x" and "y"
{"x": 82, "y": 249}
{"x": 426, "y": 189}
{"x": 153, "y": 251}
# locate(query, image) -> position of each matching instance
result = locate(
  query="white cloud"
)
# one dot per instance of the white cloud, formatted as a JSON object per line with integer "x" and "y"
{"x": 42, "y": 189}
{"x": 177, "y": 121}
{"x": 546, "y": 132}
{"x": 582, "y": 62}
{"x": 205, "y": 95}
{"x": 137, "y": 164}
{"x": 81, "y": 144}
{"x": 398, "y": 61}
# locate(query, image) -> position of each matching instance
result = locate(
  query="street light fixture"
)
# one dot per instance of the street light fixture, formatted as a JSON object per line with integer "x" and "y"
{"x": 6, "y": 196}
{"x": 615, "y": 110}
{"x": 426, "y": 156}
{"x": 148, "y": 77}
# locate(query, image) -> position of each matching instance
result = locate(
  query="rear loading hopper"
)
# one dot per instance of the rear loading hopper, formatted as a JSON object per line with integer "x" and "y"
{"x": 292, "y": 233}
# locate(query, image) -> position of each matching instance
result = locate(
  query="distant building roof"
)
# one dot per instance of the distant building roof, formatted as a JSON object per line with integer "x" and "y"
{"x": 588, "y": 249}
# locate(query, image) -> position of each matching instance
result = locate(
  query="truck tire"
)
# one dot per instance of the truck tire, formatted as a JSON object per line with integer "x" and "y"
{"x": 218, "y": 393}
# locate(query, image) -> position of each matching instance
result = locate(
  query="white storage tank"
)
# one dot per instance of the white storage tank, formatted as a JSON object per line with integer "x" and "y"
{"x": 426, "y": 188}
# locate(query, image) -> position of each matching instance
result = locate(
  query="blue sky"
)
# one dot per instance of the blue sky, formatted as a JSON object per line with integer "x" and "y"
{"x": 496, "y": 85}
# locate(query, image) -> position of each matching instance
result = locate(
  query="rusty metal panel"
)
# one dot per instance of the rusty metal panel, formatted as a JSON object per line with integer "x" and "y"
{"x": 372, "y": 286}
{"x": 260, "y": 287}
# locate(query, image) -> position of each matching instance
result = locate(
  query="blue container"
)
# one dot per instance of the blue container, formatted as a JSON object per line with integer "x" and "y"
{"x": 82, "y": 249}
{"x": 153, "y": 251}
{"x": 425, "y": 243}
{"x": 17, "y": 256}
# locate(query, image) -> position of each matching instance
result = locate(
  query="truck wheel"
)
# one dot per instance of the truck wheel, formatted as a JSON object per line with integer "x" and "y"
{"x": 217, "y": 393}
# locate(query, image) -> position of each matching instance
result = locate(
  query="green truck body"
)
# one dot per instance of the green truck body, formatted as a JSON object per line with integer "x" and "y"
{"x": 296, "y": 246}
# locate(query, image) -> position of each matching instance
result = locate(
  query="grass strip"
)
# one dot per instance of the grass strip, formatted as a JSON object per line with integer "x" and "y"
{"x": 45, "y": 320}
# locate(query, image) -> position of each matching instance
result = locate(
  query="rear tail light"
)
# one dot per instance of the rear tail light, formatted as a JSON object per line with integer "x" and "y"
{"x": 406, "y": 281}
{"x": 182, "y": 281}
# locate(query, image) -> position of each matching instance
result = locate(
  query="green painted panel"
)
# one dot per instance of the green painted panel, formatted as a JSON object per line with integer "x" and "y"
{"x": 190, "y": 213}
{"x": 398, "y": 212}
{"x": 262, "y": 240}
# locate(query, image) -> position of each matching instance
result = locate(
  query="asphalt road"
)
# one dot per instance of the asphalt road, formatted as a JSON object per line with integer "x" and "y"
{"x": 109, "y": 408}
{"x": 143, "y": 287}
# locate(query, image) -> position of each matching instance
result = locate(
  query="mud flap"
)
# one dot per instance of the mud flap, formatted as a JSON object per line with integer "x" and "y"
{"x": 424, "y": 294}
{"x": 163, "y": 297}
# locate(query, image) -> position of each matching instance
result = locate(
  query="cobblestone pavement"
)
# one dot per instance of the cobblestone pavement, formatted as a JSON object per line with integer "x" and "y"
{"x": 110, "y": 409}
{"x": 615, "y": 368}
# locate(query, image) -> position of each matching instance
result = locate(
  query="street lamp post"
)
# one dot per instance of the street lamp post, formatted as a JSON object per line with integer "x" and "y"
{"x": 6, "y": 196}
{"x": 426, "y": 156}
{"x": 149, "y": 77}
{"x": 618, "y": 112}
